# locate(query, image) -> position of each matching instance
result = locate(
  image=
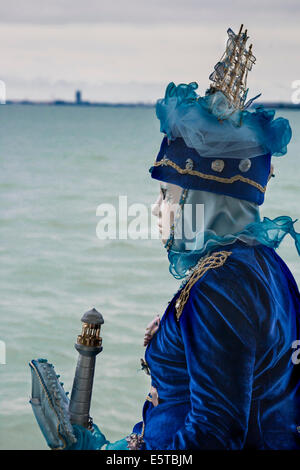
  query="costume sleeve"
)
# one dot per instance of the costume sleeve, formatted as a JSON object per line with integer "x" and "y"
{"x": 94, "y": 440}
{"x": 219, "y": 341}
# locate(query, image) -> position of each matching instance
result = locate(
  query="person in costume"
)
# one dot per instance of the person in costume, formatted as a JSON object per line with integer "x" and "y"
{"x": 220, "y": 358}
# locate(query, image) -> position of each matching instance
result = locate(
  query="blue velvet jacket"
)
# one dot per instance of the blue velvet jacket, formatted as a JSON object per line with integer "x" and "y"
{"x": 224, "y": 371}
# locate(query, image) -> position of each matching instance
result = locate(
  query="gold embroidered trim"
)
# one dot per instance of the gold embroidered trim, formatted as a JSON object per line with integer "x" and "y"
{"x": 214, "y": 261}
{"x": 184, "y": 171}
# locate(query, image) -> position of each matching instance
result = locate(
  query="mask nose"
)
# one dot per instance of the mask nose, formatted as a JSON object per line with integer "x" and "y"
{"x": 156, "y": 207}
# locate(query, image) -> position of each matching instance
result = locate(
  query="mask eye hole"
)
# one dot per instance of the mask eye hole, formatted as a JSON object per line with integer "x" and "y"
{"x": 163, "y": 192}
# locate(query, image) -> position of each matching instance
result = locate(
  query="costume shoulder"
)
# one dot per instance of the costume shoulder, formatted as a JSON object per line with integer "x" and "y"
{"x": 212, "y": 262}
{"x": 234, "y": 273}
{"x": 221, "y": 299}
{"x": 251, "y": 278}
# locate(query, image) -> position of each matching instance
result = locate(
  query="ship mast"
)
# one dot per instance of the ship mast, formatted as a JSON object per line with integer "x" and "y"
{"x": 230, "y": 73}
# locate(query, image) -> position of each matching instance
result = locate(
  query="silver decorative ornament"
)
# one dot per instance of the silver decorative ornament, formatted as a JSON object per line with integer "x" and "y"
{"x": 135, "y": 441}
{"x": 245, "y": 165}
{"x": 164, "y": 161}
{"x": 218, "y": 165}
{"x": 189, "y": 164}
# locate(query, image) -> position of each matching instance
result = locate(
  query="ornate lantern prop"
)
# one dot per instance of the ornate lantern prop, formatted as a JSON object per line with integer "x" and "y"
{"x": 54, "y": 412}
{"x": 89, "y": 344}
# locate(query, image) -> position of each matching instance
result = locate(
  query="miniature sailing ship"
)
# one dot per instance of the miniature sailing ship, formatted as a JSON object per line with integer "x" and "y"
{"x": 230, "y": 73}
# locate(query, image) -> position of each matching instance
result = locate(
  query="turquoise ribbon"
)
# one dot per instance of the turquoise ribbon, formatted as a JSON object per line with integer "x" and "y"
{"x": 266, "y": 232}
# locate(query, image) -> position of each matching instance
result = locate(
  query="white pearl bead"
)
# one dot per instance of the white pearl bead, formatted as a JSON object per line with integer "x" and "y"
{"x": 218, "y": 165}
{"x": 245, "y": 165}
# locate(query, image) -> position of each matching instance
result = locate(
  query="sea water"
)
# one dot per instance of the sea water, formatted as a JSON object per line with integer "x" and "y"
{"x": 58, "y": 164}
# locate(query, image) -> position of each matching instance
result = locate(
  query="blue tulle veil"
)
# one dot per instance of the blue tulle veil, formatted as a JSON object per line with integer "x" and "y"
{"x": 226, "y": 220}
{"x": 215, "y": 129}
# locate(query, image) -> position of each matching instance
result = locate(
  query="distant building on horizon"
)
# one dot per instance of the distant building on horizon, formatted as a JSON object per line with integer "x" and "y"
{"x": 78, "y": 99}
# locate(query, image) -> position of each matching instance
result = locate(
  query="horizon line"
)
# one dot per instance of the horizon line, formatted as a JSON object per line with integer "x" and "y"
{"x": 61, "y": 102}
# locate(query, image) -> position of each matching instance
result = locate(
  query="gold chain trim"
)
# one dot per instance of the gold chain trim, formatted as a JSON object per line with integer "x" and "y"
{"x": 186, "y": 171}
{"x": 211, "y": 262}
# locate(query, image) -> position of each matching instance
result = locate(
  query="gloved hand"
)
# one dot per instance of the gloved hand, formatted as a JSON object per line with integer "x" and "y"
{"x": 86, "y": 439}
{"x": 122, "y": 444}
{"x": 94, "y": 440}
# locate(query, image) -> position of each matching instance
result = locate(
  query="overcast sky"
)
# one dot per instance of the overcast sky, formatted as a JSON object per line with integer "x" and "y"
{"x": 128, "y": 50}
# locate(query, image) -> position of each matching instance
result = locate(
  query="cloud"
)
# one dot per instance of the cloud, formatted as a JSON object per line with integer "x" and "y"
{"x": 146, "y": 11}
{"x": 136, "y": 47}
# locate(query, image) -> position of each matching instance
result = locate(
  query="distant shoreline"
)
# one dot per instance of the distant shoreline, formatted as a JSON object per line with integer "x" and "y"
{"x": 81, "y": 104}
{"x": 274, "y": 105}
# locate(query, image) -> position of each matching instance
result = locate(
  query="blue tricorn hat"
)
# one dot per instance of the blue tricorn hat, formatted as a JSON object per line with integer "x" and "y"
{"x": 179, "y": 164}
{"x": 210, "y": 146}
{"x": 213, "y": 143}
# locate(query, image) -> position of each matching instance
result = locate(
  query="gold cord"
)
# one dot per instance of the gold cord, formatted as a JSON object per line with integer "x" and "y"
{"x": 214, "y": 261}
{"x": 185, "y": 171}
